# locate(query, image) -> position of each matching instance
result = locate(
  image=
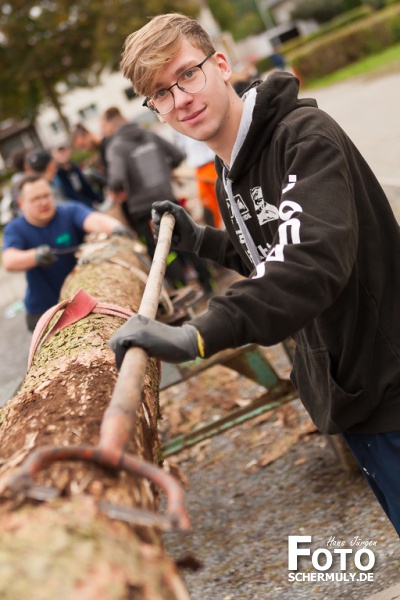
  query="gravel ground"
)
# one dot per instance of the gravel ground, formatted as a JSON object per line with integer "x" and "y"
{"x": 242, "y": 513}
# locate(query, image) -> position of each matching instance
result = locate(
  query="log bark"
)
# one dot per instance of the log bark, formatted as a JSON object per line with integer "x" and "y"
{"x": 68, "y": 547}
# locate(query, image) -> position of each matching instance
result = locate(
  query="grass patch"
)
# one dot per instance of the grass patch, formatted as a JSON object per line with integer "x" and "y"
{"x": 388, "y": 60}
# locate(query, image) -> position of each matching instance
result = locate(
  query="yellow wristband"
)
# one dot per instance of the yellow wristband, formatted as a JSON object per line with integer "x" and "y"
{"x": 200, "y": 344}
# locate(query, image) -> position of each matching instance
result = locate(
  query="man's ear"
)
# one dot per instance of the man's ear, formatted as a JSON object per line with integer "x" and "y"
{"x": 20, "y": 203}
{"x": 224, "y": 66}
{"x": 160, "y": 118}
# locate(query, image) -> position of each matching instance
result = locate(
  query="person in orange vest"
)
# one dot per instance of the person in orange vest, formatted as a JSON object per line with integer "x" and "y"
{"x": 201, "y": 158}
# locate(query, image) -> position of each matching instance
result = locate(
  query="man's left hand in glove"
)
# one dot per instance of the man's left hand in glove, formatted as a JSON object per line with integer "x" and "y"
{"x": 168, "y": 343}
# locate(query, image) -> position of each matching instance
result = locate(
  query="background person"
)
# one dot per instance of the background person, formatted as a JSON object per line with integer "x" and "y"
{"x": 94, "y": 166}
{"x": 139, "y": 165}
{"x": 41, "y": 162}
{"x": 307, "y": 224}
{"x": 71, "y": 180}
{"x": 85, "y": 140}
{"x": 30, "y": 242}
{"x": 201, "y": 158}
{"x": 139, "y": 172}
{"x": 20, "y": 170}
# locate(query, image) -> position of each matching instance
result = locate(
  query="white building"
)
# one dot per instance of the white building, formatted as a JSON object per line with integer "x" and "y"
{"x": 85, "y": 105}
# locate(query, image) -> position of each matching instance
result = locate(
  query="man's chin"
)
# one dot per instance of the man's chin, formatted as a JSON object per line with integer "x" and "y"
{"x": 46, "y": 217}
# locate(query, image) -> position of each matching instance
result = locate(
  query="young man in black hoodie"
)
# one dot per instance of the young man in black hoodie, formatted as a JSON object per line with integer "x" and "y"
{"x": 309, "y": 226}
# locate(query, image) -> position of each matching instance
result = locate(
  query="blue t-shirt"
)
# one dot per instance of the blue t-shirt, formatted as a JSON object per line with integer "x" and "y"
{"x": 65, "y": 230}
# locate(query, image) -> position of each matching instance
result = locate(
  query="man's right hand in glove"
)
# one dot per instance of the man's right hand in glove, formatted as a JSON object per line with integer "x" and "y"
{"x": 187, "y": 235}
{"x": 45, "y": 256}
{"x": 166, "y": 342}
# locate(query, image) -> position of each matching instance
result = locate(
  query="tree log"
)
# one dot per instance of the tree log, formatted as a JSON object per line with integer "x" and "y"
{"x": 69, "y": 547}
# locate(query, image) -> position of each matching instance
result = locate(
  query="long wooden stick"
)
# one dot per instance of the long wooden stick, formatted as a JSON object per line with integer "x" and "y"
{"x": 120, "y": 417}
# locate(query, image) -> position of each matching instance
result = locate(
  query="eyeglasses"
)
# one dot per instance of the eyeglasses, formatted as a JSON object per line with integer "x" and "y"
{"x": 191, "y": 81}
{"x": 45, "y": 197}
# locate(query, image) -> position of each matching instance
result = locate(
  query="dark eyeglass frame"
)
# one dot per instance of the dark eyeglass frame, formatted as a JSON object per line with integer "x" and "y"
{"x": 199, "y": 66}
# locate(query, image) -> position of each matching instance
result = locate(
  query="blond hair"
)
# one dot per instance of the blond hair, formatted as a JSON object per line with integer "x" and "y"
{"x": 150, "y": 49}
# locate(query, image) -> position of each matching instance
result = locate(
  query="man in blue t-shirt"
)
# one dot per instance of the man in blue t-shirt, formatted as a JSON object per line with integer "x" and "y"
{"x": 32, "y": 240}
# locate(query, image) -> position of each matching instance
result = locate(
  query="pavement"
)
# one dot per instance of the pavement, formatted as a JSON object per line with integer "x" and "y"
{"x": 367, "y": 109}
{"x": 14, "y": 335}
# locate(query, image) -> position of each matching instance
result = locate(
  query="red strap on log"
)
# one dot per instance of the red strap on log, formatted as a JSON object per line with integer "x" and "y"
{"x": 76, "y": 308}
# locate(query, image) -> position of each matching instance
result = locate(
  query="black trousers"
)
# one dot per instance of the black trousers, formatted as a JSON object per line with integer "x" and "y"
{"x": 141, "y": 223}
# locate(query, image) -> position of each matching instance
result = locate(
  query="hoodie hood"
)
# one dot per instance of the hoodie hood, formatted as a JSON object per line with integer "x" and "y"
{"x": 276, "y": 97}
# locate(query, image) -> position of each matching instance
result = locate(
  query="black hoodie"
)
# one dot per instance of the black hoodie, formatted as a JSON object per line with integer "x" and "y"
{"x": 328, "y": 250}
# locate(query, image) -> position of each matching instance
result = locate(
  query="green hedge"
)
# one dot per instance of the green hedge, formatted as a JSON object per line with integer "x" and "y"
{"x": 350, "y": 16}
{"x": 338, "y": 49}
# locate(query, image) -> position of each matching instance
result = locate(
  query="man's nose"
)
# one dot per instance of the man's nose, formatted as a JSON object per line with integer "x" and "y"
{"x": 44, "y": 199}
{"x": 182, "y": 98}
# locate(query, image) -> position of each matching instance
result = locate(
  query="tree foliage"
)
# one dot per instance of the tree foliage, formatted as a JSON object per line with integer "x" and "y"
{"x": 46, "y": 42}
{"x": 241, "y": 17}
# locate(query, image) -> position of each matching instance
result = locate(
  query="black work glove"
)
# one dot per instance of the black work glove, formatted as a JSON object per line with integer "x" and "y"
{"x": 187, "y": 235}
{"x": 123, "y": 231}
{"x": 168, "y": 343}
{"x": 45, "y": 256}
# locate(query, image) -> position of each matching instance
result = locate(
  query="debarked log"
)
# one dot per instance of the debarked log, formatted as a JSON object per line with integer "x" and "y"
{"x": 71, "y": 546}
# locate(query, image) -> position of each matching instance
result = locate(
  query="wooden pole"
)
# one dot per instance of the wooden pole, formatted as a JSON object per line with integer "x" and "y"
{"x": 120, "y": 416}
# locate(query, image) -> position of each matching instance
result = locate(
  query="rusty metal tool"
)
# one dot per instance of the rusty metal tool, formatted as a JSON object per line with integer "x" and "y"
{"x": 119, "y": 422}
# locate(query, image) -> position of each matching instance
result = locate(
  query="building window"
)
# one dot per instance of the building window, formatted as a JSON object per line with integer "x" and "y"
{"x": 57, "y": 126}
{"x": 130, "y": 94}
{"x": 88, "y": 112}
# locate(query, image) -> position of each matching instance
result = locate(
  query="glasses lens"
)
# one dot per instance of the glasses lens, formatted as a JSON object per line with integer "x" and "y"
{"x": 192, "y": 81}
{"x": 162, "y": 102}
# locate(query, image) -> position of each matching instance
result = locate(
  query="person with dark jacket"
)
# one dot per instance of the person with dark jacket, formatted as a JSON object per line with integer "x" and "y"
{"x": 94, "y": 166}
{"x": 307, "y": 224}
{"x": 139, "y": 165}
{"x": 71, "y": 180}
{"x": 139, "y": 172}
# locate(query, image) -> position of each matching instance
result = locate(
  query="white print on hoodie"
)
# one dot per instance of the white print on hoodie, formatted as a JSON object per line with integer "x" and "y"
{"x": 265, "y": 212}
{"x": 288, "y": 231}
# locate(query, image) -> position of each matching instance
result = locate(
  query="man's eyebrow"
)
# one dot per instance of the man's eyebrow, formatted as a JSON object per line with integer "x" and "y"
{"x": 186, "y": 66}
{"x": 182, "y": 69}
